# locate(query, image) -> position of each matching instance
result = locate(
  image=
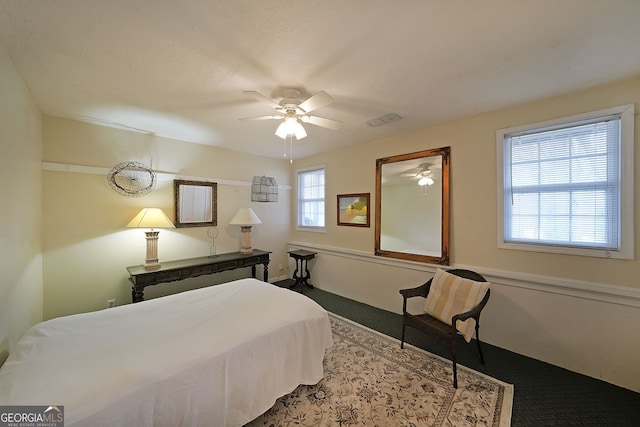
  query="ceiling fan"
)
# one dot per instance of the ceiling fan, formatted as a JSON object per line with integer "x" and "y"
{"x": 292, "y": 111}
{"x": 424, "y": 173}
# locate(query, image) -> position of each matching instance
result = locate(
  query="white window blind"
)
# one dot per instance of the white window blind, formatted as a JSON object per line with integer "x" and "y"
{"x": 563, "y": 185}
{"x": 566, "y": 185}
{"x": 311, "y": 212}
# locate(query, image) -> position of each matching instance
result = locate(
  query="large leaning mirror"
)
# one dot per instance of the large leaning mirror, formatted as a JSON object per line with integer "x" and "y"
{"x": 412, "y": 206}
{"x": 195, "y": 203}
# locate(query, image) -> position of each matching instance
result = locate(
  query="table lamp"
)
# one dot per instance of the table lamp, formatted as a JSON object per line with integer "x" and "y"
{"x": 151, "y": 218}
{"x": 245, "y": 218}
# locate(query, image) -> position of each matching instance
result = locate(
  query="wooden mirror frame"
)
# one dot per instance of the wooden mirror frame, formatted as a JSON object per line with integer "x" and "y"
{"x": 180, "y": 221}
{"x": 443, "y": 259}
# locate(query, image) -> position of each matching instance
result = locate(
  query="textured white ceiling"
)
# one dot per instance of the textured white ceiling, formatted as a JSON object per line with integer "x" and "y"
{"x": 178, "y": 69}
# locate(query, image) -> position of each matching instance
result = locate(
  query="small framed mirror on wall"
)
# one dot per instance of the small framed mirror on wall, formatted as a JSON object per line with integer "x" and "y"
{"x": 412, "y": 206}
{"x": 195, "y": 203}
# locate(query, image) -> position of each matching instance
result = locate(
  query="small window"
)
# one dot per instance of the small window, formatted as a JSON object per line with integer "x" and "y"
{"x": 566, "y": 186}
{"x": 311, "y": 199}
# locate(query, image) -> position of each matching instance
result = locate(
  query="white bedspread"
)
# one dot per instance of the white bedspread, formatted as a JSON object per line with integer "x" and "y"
{"x": 217, "y": 356}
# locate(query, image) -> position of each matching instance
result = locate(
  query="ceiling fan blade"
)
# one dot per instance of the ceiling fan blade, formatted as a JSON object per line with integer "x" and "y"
{"x": 321, "y": 121}
{"x": 260, "y": 97}
{"x": 318, "y": 100}
{"x": 276, "y": 117}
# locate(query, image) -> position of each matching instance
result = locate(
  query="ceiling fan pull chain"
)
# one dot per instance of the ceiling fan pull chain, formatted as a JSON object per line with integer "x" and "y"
{"x": 290, "y": 149}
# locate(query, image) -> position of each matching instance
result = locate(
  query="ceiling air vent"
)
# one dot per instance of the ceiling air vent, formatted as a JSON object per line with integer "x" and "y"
{"x": 383, "y": 120}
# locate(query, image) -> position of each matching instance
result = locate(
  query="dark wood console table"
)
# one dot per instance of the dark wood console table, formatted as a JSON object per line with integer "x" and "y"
{"x": 171, "y": 271}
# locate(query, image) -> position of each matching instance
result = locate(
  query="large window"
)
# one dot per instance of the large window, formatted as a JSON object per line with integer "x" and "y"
{"x": 567, "y": 185}
{"x": 311, "y": 199}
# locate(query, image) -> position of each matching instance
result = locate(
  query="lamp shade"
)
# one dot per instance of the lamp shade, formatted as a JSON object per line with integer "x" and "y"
{"x": 151, "y": 218}
{"x": 245, "y": 216}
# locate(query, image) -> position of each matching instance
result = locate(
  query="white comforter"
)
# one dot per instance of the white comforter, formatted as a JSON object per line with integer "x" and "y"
{"x": 218, "y": 356}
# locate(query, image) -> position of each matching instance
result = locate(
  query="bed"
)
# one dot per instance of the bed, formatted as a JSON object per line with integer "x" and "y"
{"x": 216, "y": 356}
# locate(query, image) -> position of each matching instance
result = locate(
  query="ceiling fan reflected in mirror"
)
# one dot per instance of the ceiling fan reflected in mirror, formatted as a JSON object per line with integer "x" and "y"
{"x": 293, "y": 112}
{"x": 424, "y": 174}
{"x": 425, "y": 177}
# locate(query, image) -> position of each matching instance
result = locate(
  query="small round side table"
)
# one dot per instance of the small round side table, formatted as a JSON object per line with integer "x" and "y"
{"x": 301, "y": 275}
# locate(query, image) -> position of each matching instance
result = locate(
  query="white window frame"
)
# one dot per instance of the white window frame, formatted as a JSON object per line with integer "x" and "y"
{"x": 627, "y": 235}
{"x": 299, "y": 199}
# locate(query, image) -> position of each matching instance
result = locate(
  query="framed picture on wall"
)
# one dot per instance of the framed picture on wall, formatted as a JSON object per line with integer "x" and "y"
{"x": 353, "y": 209}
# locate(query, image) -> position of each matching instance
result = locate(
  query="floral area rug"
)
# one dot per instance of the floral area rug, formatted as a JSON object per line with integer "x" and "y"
{"x": 369, "y": 381}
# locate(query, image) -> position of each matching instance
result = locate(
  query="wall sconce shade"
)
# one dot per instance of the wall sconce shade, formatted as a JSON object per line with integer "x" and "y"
{"x": 264, "y": 189}
{"x": 151, "y": 218}
{"x": 245, "y": 218}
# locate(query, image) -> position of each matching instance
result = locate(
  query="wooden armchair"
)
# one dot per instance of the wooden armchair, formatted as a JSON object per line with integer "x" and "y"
{"x": 445, "y": 334}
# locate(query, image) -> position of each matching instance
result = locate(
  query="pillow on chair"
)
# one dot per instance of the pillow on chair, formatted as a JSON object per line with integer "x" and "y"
{"x": 450, "y": 295}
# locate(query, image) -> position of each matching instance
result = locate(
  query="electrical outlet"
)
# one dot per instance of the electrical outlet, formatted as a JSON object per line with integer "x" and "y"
{"x": 111, "y": 303}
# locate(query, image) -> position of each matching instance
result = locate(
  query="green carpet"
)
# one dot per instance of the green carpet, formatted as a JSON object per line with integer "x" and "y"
{"x": 545, "y": 395}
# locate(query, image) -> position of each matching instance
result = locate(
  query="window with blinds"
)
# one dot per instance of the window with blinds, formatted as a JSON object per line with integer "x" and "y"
{"x": 563, "y": 184}
{"x": 311, "y": 199}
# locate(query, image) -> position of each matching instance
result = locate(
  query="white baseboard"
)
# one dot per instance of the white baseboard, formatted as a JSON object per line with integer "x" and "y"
{"x": 278, "y": 278}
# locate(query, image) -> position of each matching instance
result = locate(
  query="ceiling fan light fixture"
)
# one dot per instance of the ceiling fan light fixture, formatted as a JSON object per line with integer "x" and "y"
{"x": 282, "y": 130}
{"x": 425, "y": 180}
{"x": 291, "y": 126}
{"x": 300, "y": 132}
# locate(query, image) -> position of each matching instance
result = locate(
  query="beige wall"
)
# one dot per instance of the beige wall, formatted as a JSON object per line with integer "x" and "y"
{"x": 86, "y": 243}
{"x": 473, "y": 187}
{"x": 21, "y": 213}
{"x": 577, "y": 312}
